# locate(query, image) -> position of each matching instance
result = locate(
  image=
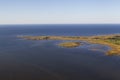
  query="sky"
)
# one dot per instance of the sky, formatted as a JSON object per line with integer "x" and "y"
{"x": 59, "y": 11}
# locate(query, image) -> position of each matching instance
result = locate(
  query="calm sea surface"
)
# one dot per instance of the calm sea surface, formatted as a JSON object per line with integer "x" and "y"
{"x": 43, "y": 60}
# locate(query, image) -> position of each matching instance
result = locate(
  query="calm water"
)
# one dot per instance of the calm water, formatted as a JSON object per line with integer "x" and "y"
{"x": 44, "y": 60}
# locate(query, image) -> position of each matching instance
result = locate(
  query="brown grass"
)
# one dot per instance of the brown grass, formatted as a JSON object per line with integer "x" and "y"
{"x": 69, "y": 44}
{"x": 112, "y": 41}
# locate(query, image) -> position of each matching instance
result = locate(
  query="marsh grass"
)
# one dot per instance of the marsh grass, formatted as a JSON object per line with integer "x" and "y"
{"x": 113, "y": 41}
{"x": 69, "y": 44}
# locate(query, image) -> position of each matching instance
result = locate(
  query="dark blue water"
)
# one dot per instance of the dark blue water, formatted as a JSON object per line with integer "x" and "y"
{"x": 43, "y": 60}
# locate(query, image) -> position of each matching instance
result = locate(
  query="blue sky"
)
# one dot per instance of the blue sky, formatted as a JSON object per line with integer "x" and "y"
{"x": 59, "y": 11}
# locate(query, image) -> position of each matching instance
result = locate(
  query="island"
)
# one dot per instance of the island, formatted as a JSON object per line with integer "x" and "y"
{"x": 112, "y": 41}
{"x": 69, "y": 44}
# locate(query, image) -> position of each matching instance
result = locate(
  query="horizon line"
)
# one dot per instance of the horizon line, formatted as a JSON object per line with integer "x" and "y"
{"x": 66, "y": 24}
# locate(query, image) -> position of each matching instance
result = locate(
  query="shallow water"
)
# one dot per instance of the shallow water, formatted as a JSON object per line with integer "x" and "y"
{"x": 43, "y": 60}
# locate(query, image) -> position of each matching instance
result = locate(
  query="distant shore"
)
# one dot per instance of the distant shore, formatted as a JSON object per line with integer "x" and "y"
{"x": 113, "y": 41}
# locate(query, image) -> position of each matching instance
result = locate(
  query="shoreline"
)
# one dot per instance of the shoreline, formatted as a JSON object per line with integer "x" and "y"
{"x": 112, "y": 40}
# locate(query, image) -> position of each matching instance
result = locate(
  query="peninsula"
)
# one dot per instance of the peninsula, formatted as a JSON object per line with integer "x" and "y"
{"x": 113, "y": 41}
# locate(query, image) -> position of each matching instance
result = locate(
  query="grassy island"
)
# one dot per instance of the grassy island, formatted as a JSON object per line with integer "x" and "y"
{"x": 113, "y": 41}
{"x": 70, "y": 44}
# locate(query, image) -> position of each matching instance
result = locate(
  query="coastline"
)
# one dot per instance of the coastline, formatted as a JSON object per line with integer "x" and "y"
{"x": 112, "y": 40}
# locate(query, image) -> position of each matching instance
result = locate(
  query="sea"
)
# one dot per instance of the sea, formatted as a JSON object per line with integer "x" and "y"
{"x": 22, "y": 59}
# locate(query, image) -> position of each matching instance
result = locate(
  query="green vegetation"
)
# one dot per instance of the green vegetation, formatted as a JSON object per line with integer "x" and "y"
{"x": 70, "y": 44}
{"x": 113, "y": 41}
